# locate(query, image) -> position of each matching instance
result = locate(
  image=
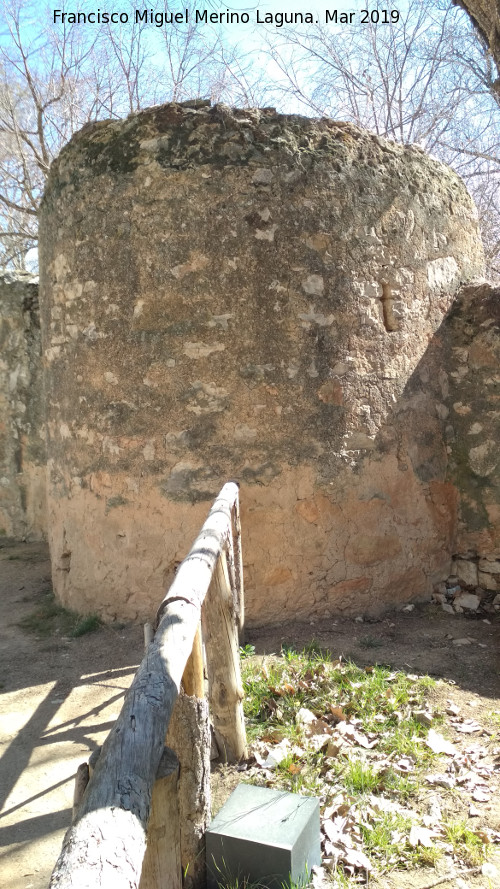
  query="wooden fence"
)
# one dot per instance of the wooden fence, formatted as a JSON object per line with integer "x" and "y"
{"x": 142, "y": 816}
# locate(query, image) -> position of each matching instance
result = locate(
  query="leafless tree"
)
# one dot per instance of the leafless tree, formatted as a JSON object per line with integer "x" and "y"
{"x": 427, "y": 78}
{"x": 54, "y": 78}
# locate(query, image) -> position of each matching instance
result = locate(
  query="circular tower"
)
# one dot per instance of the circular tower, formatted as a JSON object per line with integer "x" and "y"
{"x": 241, "y": 294}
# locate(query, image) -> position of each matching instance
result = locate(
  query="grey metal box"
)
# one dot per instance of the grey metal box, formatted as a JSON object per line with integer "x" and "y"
{"x": 266, "y": 836}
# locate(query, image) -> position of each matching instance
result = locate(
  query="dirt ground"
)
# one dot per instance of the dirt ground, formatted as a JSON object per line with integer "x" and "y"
{"x": 59, "y": 697}
{"x": 58, "y": 700}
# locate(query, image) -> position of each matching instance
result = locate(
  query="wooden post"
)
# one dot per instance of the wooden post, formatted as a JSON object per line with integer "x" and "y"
{"x": 238, "y": 559}
{"x": 189, "y": 735}
{"x": 161, "y": 868}
{"x": 106, "y": 844}
{"x": 223, "y": 667}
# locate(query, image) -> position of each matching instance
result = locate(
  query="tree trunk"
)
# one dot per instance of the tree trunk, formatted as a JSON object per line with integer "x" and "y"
{"x": 485, "y": 15}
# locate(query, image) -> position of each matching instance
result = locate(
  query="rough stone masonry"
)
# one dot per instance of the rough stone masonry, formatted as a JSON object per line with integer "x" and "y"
{"x": 240, "y": 294}
{"x": 22, "y": 432}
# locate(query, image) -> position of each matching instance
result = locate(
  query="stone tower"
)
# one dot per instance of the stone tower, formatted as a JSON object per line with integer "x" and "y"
{"x": 241, "y": 294}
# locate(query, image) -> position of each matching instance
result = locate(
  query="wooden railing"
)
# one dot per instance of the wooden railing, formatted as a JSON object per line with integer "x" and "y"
{"x": 142, "y": 816}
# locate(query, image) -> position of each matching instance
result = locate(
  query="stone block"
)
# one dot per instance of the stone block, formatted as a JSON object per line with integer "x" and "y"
{"x": 466, "y": 572}
{"x": 489, "y": 566}
{"x": 263, "y": 836}
{"x": 488, "y": 581}
{"x": 467, "y": 601}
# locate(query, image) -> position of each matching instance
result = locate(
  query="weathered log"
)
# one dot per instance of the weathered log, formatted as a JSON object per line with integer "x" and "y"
{"x": 189, "y": 735}
{"x": 223, "y": 666}
{"x": 106, "y": 844}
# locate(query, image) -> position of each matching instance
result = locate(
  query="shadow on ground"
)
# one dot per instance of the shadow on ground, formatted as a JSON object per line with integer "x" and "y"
{"x": 424, "y": 641}
{"x": 59, "y": 697}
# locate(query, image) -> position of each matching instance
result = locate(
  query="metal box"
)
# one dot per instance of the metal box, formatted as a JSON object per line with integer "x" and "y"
{"x": 263, "y": 836}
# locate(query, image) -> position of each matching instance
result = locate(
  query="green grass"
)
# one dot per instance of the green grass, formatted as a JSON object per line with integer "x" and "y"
{"x": 370, "y": 642}
{"x": 226, "y": 879}
{"x": 360, "y": 778}
{"x": 87, "y": 624}
{"x": 49, "y": 618}
{"x": 384, "y": 840}
{"x": 377, "y": 703}
{"x": 494, "y": 718}
{"x": 276, "y": 689}
{"x": 467, "y": 846}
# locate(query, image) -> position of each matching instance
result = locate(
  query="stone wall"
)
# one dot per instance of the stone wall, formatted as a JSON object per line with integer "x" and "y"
{"x": 472, "y": 345}
{"x": 22, "y": 432}
{"x": 239, "y": 294}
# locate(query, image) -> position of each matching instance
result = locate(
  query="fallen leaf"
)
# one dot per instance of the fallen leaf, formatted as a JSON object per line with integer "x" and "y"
{"x": 484, "y": 835}
{"x": 467, "y": 726}
{"x": 282, "y": 690}
{"x": 420, "y": 836}
{"x": 274, "y": 756}
{"x": 274, "y": 735}
{"x": 438, "y": 744}
{"x": 350, "y": 732}
{"x": 319, "y": 878}
{"x": 344, "y": 809}
{"x": 317, "y": 742}
{"x": 405, "y": 764}
{"x": 334, "y": 831}
{"x": 318, "y": 727}
{"x": 337, "y": 712}
{"x": 481, "y": 793}
{"x": 365, "y": 742}
{"x": 441, "y": 780}
{"x": 424, "y": 717}
{"x": 357, "y": 859}
{"x": 333, "y": 748}
{"x": 305, "y": 716}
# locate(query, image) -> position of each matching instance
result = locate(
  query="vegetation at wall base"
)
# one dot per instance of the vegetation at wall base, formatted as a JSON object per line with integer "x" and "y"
{"x": 50, "y": 619}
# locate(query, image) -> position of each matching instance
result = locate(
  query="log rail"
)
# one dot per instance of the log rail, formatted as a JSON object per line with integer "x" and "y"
{"x": 106, "y": 844}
